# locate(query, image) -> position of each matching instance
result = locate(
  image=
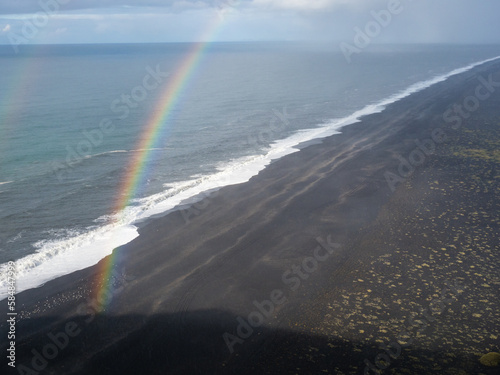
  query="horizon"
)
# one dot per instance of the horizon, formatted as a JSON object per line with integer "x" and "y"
{"x": 311, "y": 42}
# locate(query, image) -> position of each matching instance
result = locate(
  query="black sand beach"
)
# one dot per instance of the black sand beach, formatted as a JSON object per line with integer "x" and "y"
{"x": 372, "y": 252}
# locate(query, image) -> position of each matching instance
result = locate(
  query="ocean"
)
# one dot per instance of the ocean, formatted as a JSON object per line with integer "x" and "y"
{"x": 97, "y": 139}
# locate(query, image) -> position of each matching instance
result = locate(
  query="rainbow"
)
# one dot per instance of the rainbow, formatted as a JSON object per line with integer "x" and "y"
{"x": 21, "y": 82}
{"x": 152, "y": 132}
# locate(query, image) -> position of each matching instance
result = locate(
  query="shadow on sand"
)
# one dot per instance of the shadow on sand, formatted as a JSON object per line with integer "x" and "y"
{"x": 192, "y": 343}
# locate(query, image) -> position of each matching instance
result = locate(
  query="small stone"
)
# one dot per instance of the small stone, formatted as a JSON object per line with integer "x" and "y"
{"x": 490, "y": 359}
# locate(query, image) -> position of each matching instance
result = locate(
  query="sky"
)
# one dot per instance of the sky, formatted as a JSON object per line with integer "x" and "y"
{"x": 152, "y": 21}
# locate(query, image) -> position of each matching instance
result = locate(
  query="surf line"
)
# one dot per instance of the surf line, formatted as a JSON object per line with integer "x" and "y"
{"x": 152, "y": 134}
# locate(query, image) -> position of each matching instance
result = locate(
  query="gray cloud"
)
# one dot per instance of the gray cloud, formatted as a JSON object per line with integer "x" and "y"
{"x": 92, "y": 21}
{"x": 32, "y": 6}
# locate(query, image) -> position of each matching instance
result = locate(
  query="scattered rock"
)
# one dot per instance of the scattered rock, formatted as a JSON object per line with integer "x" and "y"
{"x": 490, "y": 359}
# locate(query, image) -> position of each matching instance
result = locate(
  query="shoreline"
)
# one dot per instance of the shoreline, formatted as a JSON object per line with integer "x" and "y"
{"x": 189, "y": 205}
{"x": 193, "y": 281}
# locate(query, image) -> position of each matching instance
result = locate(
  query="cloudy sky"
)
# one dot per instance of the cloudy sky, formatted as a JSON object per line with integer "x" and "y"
{"x": 110, "y": 21}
